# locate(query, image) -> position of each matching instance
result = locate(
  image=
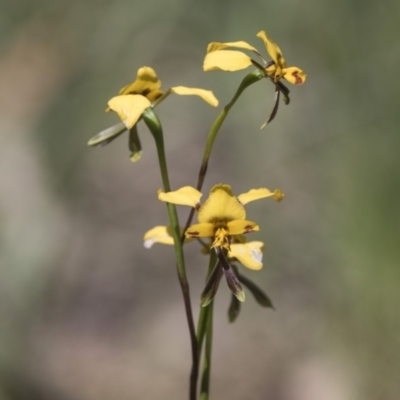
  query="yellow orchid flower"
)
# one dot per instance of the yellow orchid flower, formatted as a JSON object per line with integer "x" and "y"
{"x": 248, "y": 253}
{"x": 222, "y": 218}
{"x": 218, "y": 58}
{"x": 134, "y": 98}
{"x": 222, "y": 215}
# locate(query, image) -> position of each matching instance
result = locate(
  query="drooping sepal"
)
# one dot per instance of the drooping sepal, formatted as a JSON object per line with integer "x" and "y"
{"x": 107, "y": 135}
{"x": 212, "y": 285}
{"x": 234, "y": 309}
{"x": 135, "y": 145}
{"x": 230, "y": 275}
{"x": 260, "y": 296}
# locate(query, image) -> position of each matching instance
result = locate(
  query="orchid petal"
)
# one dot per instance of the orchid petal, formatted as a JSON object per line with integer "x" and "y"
{"x": 129, "y": 107}
{"x": 185, "y": 196}
{"x": 261, "y": 193}
{"x": 226, "y": 60}
{"x": 206, "y": 95}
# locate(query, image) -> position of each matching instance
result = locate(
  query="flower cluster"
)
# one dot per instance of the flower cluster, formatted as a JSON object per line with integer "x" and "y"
{"x": 222, "y": 226}
{"x": 222, "y": 217}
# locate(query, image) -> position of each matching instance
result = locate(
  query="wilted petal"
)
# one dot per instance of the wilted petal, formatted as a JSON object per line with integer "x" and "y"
{"x": 273, "y": 49}
{"x": 261, "y": 193}
{"x": 129, "y": 107}
{"x": 221, "y": 205}
{"x": 236, "y": 45}
{"x": 206, "y": 95}
{"x": 294, "y": 75}
{"x": 249, "y": 254}
{"x": 185, "y": 196}
{"x": 159, "y": 234}
{"x": 239, "y": 227}
{"x": 226, "y": 60}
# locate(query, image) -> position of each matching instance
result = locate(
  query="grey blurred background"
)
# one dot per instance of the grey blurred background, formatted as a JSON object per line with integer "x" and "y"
{"x": 87, "y": 313}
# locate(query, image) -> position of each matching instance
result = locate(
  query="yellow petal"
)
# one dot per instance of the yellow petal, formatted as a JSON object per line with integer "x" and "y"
{"x": 185, "y": 196}
{"x": 226, "y": 60}
{"x": 256, "y": 194}
{"x": 159, "y": 234}
{"x": 239, "y": 227}
{"x": 145, "y": 83}
{"x": 200, "y": 230}
{"x": 129, "y": 107}
{"x": 249, "y": 254}
{"x": 294, "y": 75}
{"x": 221, "y": 205}
{"x": 206, "y": 95}
{"x": 236, "y": 45}
{"x": 273, "y": 49}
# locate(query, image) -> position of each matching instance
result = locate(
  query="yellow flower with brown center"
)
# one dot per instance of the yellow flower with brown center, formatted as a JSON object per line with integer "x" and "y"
{"x": 219, "y": 58}
{"x": 222, "y": 215}
{"x": 222, "y": 218}
{"x": 134, "y": 98}
{"x": 247, "y": 253}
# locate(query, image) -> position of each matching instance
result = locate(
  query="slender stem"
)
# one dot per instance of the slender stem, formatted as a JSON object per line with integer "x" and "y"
{"x": 202, "y": 321}
{"x": 153, "y": 123}
{"x": 205, "y": 378}
{"x": 204, "y": 328}
{"x": 212, "y": 134}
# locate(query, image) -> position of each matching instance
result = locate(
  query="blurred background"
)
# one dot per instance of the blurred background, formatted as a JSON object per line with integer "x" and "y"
{"x": 87, "y": 312}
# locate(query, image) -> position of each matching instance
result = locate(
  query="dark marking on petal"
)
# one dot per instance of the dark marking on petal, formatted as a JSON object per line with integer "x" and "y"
{"x": 299, "y": 80}
{"x": 248, "y": 228}
{"x": 193, "y": 234}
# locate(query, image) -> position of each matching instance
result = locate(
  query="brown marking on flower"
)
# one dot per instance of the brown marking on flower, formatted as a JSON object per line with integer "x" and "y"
{"x": 192, "y": 234}
{"x": 248, "y": 228}
{"x": 299, "y": 80}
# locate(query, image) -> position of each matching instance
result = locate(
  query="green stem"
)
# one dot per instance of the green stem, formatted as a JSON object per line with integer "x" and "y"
{"x": 153, "y": 123}
{"x": 202, "y": 322}
{"x": 205, "y": 379}
{"x": 204, "y": 328}
{"x": 248, "y": 80}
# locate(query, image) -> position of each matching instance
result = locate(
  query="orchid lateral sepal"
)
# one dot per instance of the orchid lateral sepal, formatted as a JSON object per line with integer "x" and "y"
{"x": 106, "y": 136}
